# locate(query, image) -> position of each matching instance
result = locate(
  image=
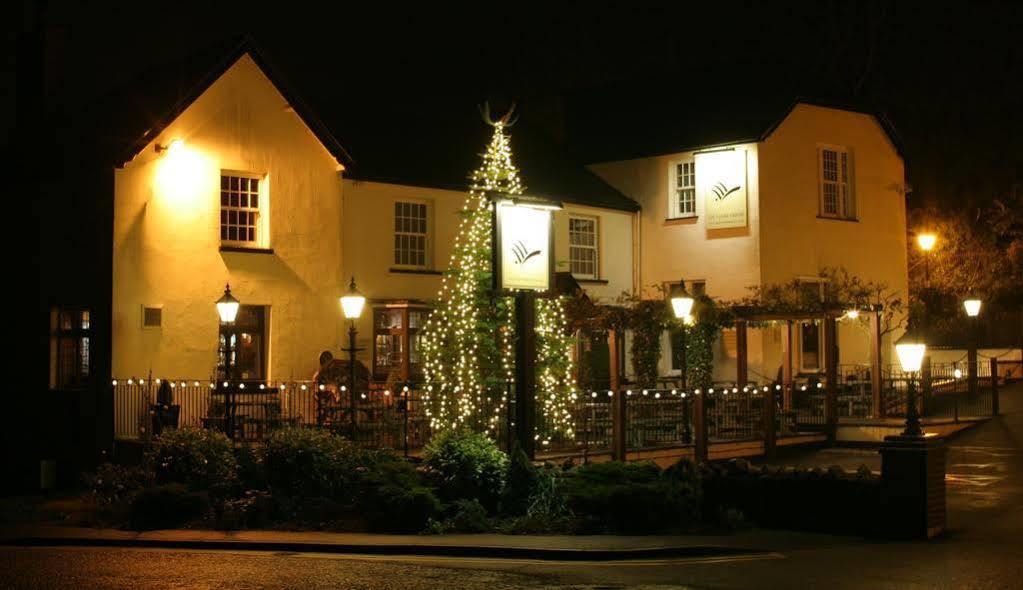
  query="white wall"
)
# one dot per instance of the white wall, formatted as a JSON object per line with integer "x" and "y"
{"x": 166, "y": 246}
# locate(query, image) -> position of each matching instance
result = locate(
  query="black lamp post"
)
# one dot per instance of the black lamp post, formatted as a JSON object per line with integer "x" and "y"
{"x": 972, "y": 307}
{"x": 682, "y": 306}
{"x": 227, "y": 309}
{"x": 911, "y": 349}
{"x": 352, "y": 303}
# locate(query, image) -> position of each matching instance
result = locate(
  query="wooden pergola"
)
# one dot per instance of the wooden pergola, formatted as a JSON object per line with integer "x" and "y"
{"x": 829, "y": 316}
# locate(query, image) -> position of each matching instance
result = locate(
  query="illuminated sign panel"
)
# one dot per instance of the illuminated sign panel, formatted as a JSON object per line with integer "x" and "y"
{"x": 524, "y": 245}
{"x": 721, "y": 184}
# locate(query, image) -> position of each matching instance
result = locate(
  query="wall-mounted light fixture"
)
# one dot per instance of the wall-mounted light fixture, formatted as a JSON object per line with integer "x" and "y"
{"x": 174, "y": 146}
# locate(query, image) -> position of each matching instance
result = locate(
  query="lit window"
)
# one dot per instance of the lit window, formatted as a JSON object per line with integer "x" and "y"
{"x": 583, "y": 247}
{"x": 683, "y": 197}
{"x": 70, "y": 335}
{"x": 835, "y": 173}
{"x": 239, "y": 210}
{"x": 411, "y": 234}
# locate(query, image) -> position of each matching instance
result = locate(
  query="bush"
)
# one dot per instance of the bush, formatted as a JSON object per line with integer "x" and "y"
{"x": 633, "y": 497}
{"x": 195, "y": 457}
{"x": 470, "y": 466}
{"x": 307, "y": 463}
{"x": 251, "y": 468}
{"x": 468, "y": 516}
{"x": 255, "y": 509}
{"x": 520, "y": 483}
{"x": 394, "y": 499}
{"x": 113, "y": 483}
{"x": 166, "y": 506}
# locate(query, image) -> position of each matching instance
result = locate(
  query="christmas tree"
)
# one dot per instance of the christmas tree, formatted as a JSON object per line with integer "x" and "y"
{"x": 468, "y": 341}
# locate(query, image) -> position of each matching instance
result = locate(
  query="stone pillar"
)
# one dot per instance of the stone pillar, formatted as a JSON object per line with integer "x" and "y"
{"x": 913, "y": 485}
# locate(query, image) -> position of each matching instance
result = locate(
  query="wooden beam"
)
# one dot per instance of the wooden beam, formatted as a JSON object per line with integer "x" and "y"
{"x": 741, "y": 353}
{"x": 619, "y": 444}
{"x": 875, "y": 365}
{"x": 831, "y": 374}
{"x": 786, "y": 365}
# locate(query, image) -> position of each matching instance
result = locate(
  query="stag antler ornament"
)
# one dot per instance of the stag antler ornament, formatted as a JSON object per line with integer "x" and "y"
{"x": 504, "y": 121}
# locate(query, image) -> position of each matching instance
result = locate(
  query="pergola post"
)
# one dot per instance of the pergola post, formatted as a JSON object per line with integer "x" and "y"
{"x": 875, "y": 364}
{"x": 741, "y": 353}
{"x": 831, "y": 374}
{"x": 786, "y": 365}
{"x": 700, "y": 426}
{"x": 618, "y": 440}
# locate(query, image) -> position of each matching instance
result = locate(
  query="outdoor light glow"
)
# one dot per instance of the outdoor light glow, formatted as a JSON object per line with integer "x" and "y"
{"x": 852, "y": 314}
{"x": 180, "y": 174}
{"x": 682, "y": 306}
{"x": 972, "y": 307}
{"x": 352, "y": 302}
{"x": 958, "y": 373}
{"x": 911, "y": 349}
{"x": 227, "y": 306}
{"x": 926, "y": 241}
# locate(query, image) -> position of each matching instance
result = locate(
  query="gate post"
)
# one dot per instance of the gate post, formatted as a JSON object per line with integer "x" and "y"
{"x": 768, "y": 422}
{"x": 700, "y": 410}
{"x": 994, "y": 387}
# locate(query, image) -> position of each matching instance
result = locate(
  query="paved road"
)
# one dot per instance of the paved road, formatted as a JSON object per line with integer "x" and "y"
{"x": 983, "y": 549}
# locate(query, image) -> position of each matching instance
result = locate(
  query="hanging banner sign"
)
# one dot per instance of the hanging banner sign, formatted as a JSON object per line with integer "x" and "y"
{"x": 721, "y": 184}
{"x": 523, "y": 246}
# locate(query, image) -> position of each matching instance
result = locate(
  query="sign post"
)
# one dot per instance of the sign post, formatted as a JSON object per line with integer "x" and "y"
{"x": 523, "y": 268}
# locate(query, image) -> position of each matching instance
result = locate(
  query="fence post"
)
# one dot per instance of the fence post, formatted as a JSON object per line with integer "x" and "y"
{"x": 768, "y": 422}
{"x": 926, "y": 387}
{"x": 831, "y": 374}
{"x": 618, "y": 440}
{"x": 994, "y": 387}
{"x": 700, "y": 425}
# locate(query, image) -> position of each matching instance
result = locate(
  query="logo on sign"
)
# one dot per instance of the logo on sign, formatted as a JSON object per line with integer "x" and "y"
{"x": 521, "y": 253}
{"x": 721, "y": 191}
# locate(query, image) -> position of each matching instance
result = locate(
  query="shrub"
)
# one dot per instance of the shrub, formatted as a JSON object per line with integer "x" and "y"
{"x": 166, "y": 506}
{"x": 195, "y": 457}
{"x": 254, "y": 509}
{"x": 394, "y": 499}
{"x": 633, "y": 497}
{"x": 468, "y": 516}
{"x": 307, "y": 463}
{"x": 251, "y": 468}
{"x": 113, "y": 483}
{"x": 470, "y": 466}
{"x": 520, "y": 483}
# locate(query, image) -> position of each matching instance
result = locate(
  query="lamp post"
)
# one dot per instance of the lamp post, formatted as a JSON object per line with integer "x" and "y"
{"x": 352, "y": 303}
{"x": 682, "y": 306}
{"x": 227, "y": 309}
{"x": 911, "y": 349}
{"x": 972, "y": 307}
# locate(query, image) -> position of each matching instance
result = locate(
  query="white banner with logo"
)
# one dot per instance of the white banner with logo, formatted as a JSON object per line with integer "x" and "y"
{"x": 721, "y": 184}
{"x": 524, "y": 247}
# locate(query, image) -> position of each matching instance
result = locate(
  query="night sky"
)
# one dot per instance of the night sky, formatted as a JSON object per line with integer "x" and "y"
{"x": 950, "y": 77}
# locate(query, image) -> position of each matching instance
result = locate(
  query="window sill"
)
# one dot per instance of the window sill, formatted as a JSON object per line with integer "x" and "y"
{"x": 415, "y": 271}
{"x": 689, "y": 220}
{"x": 246, "y": 250}
{"x": 830, "y": 218}
{"x": 591, "y": 281}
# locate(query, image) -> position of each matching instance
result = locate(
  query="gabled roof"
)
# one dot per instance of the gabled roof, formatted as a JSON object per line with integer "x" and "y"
{"x": 152, "y": 102}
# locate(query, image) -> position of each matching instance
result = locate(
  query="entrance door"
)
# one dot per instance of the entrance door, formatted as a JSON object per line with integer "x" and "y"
{"x": 249, "y": 344}
{"x": 810, "y": 347}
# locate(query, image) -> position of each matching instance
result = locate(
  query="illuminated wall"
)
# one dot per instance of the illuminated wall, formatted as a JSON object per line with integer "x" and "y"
{"x": 166, "y": 248}
{"x": 783, "y": 238}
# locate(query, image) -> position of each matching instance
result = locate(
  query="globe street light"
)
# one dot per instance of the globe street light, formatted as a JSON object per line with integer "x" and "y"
{"x": 682, "y": 306}
{"x": 972, "y": 307}
{"x": 352, "y": 303}
{"x": 911, "y": 349}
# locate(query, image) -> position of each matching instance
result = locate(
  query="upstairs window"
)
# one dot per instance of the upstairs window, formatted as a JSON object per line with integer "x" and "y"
{"x": 683, "y": 197}
{"x": 834, "y": 169}
{"x": 70, "y": 337}
{"x": 583, "y": 247}
{"x": 411, "y": 234}
{"x": 239, "y": 210}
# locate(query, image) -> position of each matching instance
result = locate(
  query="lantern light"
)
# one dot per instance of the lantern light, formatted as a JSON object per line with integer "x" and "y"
{"x": 227, "y": 306}
{"x": 681, "y": 301}
{"x": 352, "y": 302}
{"x": 926, "y": 241}
{"x": 972, "y": 306}
{"x": 911, "y": 349}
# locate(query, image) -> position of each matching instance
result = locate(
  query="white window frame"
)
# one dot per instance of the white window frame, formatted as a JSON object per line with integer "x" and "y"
{"x": 842, "y": 184}
{"x": 595, "y": 247}
{"x": 426, "y": 234}
{"x": 261, "y": 225}
{"x": 682, "y": 181}
{"x": 821, "y": 283}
